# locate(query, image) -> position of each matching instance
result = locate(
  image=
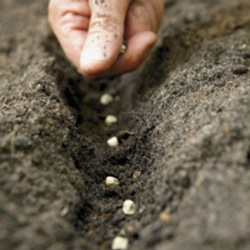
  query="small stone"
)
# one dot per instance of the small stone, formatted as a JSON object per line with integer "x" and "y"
{"x": 129, "y": 207}
{"x": 122, "y": 232}
{"x": 136, "y": 174}
{"x": 113, "y": 142}
{"x": 120, "y": 243}
{"x": 130, "y": 229}
{"x": 65, "y": 211}
{"x": 165, "y": 217}
{"x": 243, "y": 46}
{"x": 110, "y": 120}
{"x": 225, "y": 128}
{"x": 106, "y": 99}
{"x": 15, "y": 177}
{"x": 111, "y": 181}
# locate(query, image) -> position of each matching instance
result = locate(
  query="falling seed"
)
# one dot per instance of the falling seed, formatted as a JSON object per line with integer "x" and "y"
{"x": 129, "y": 207}
{"x": 120, "y": 243}
{"x": 106, "y": 99}
{"x": 111, "y": 181}
{"x": 110, "y": 120}
{"x": 123, "y": 49}
{"x": 113, "y": 142}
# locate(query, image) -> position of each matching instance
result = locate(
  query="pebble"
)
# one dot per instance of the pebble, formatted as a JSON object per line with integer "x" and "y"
{"x": 129, "y": 207}
{"x": 225, "y": 128}
{"x": 136, "y": 174}
{"x": 110, "y": 120}
{"x": 243, "y": 46}
{"x": 111, "y": 181}
{"x": 65, "y": 211}
{"x": 106, "y": 99}
{"x": 113, "y": 142}
{"x": 120, "y": 243}
{"x": 165, "y": 217}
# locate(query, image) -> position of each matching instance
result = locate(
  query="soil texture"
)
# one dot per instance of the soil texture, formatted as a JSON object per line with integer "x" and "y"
{"x": 184, "y": 133}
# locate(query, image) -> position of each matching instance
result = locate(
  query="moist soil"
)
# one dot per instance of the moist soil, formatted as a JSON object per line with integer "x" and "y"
{"x": 184, "y": 133}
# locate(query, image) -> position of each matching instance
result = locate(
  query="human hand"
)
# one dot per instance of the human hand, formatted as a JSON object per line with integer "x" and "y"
{"x": 91, "y": 33}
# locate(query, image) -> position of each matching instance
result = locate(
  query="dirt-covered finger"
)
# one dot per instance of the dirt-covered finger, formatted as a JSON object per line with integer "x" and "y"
{"x": 138, "y": 48}
{"x": 105, "y": 36}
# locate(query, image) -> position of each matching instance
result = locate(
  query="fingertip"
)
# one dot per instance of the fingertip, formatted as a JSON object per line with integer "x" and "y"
{"x": 138, "y": 47}
{"x": 151, "y": 38}
{"x": 94, "y": 61}
{"x": 105, "y": 36}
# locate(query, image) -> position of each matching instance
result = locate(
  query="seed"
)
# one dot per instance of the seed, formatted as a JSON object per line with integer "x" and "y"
{"x": 111, "y": 181}
{"x": 129, "y": 207}
{"x": 120, "y": 243}
{"x": 123, "y": 49}
{"x": 113, "y": 142}
{"x": 106, "y": 99}
{"x": 110, "y": 120}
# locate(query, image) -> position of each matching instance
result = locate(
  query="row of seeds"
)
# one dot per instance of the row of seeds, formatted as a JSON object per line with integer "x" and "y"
{"x": 129, "y": 207}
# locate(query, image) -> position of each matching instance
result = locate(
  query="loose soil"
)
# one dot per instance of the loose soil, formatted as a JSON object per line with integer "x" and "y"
{"x": 184, "y": 124}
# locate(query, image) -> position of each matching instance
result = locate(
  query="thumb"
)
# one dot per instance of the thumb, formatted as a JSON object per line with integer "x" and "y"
{"x": 105, "y": 36}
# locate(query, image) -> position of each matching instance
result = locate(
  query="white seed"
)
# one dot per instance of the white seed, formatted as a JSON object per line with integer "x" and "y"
{"x": 129, "y": 207}
{"x": 113, "y": 142}
{"x": 106, "y": 99}
{"x": 110, "y": 120}
{"x": 111, "y": 181}
{"x": 120, "y": 243}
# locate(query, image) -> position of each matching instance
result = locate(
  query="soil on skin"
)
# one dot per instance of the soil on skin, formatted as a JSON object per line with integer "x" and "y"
{"x": 184, "y": 124}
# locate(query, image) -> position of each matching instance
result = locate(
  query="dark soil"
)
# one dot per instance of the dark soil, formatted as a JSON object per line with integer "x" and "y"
{"x": 184, "y": 123}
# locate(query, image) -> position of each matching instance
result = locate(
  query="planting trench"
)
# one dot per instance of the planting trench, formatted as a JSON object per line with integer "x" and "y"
{"x": 184, "y": 129}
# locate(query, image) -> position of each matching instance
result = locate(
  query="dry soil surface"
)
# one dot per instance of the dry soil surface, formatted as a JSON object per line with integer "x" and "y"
{"x": 184, "y": 132}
